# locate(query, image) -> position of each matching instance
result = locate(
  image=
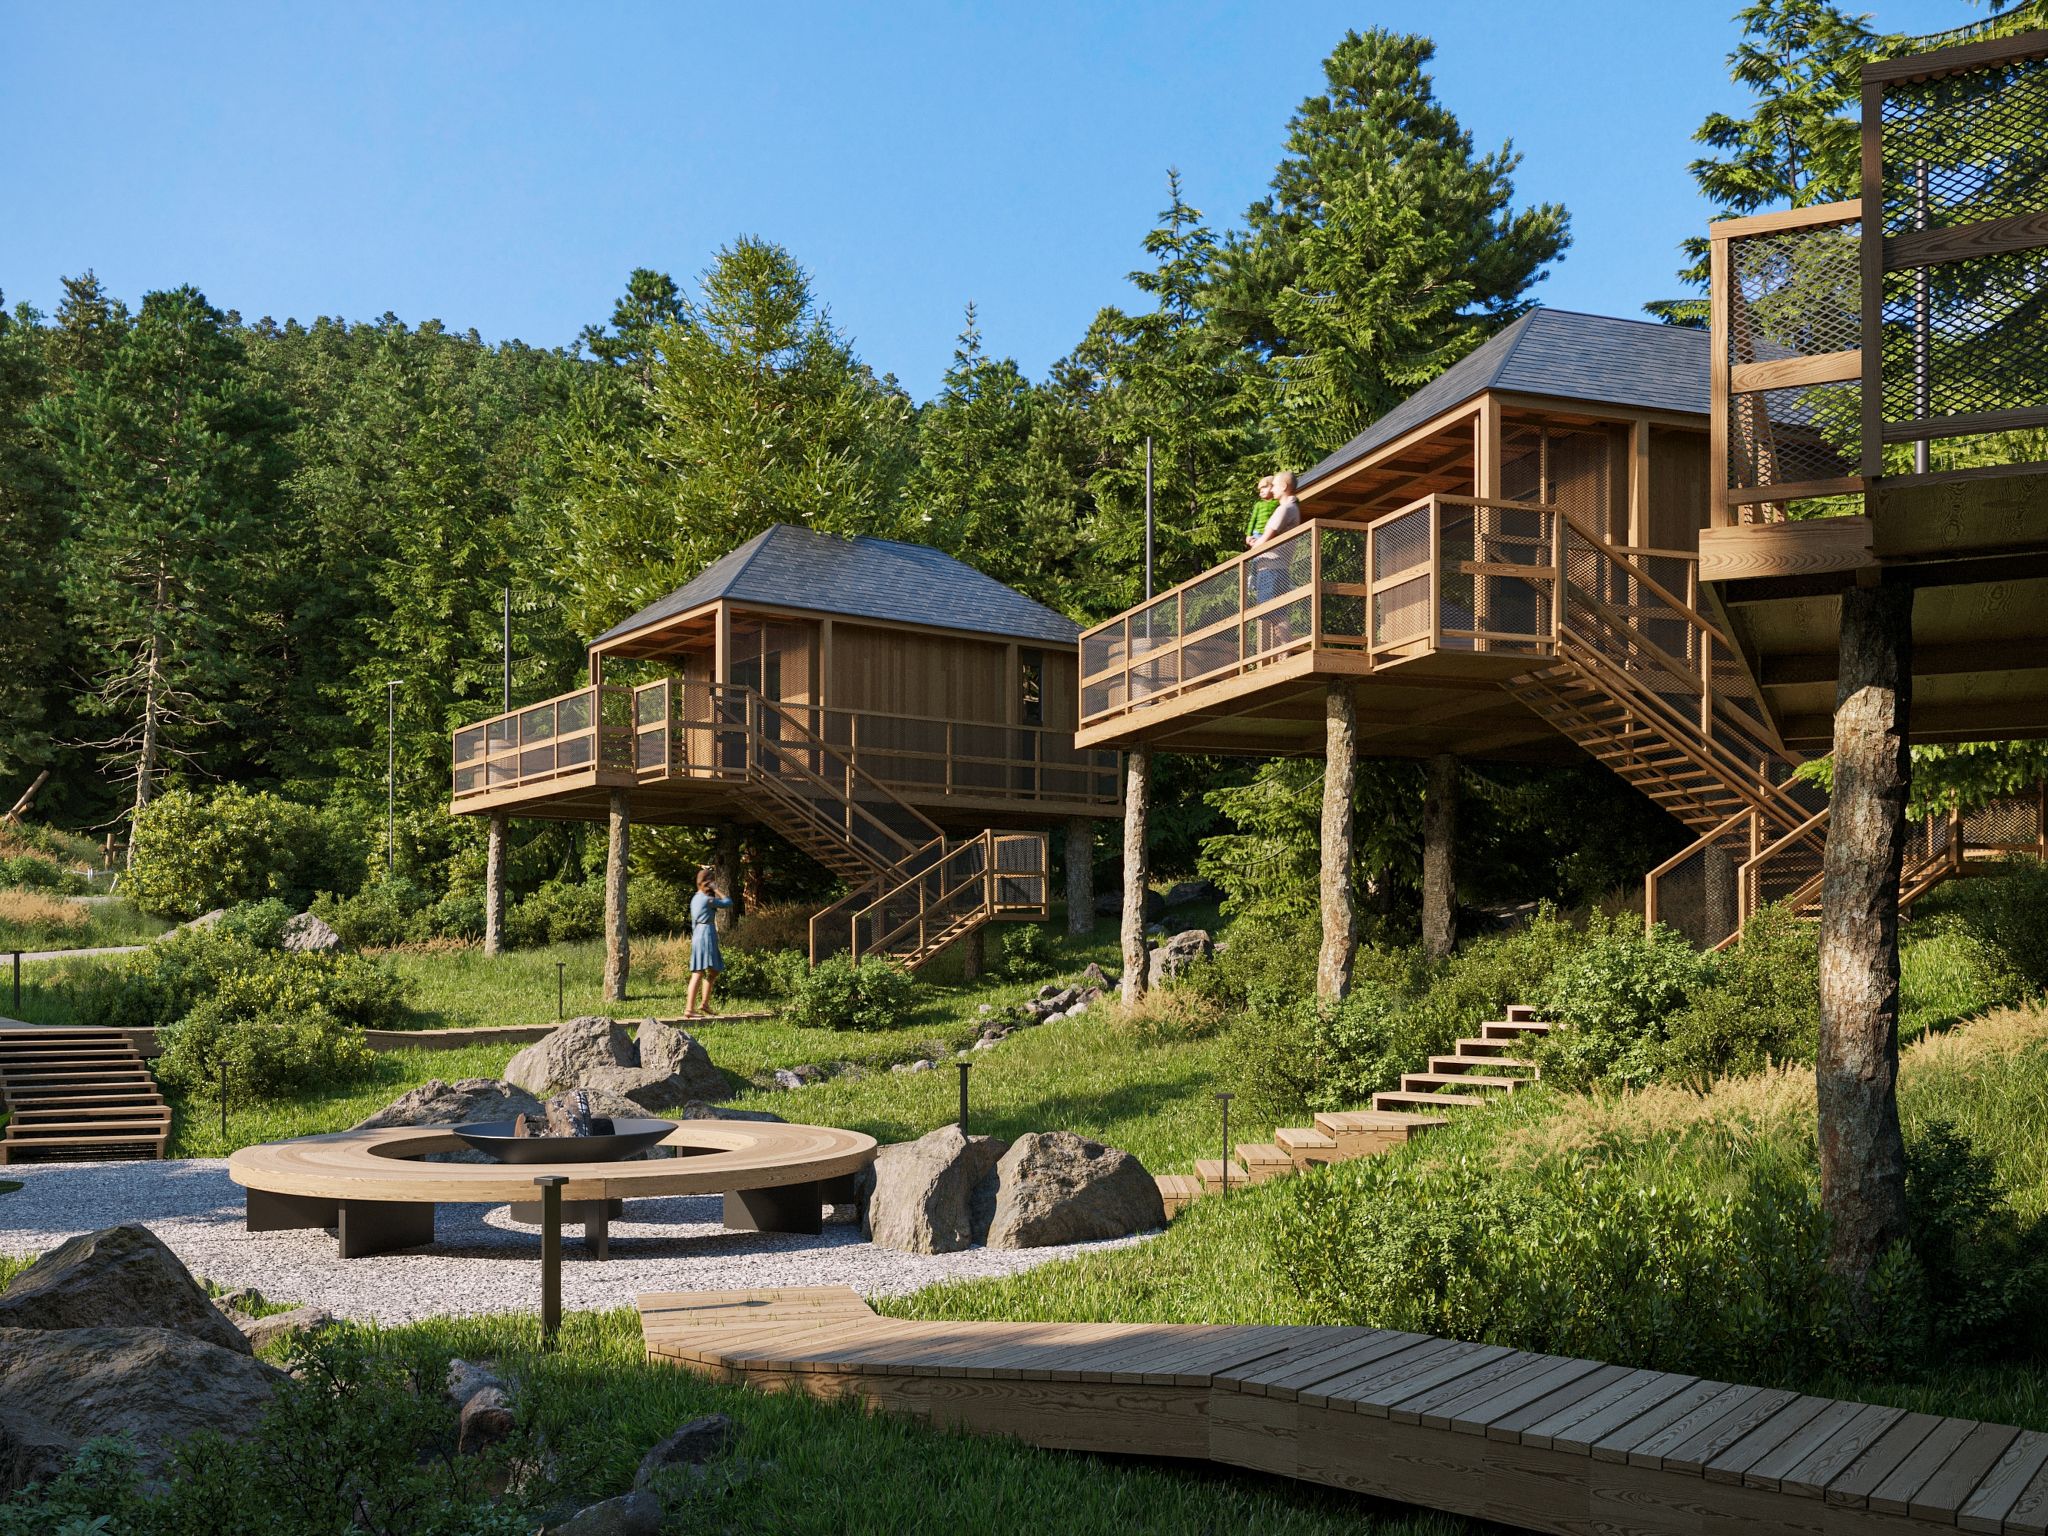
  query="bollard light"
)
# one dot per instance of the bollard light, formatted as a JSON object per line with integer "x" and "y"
{"x": 561, "y": 966}
{"x": 550, "y": 1254}
{"x": 17, "y": 983}
{"x": 963, "y": 1095}
{"x": 1224, "y": 1099}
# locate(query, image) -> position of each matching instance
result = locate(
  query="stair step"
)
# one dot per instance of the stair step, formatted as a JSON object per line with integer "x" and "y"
{"x": 1513, "y": 1029}
{"x": 1210, "y": 1171}
{"x": 1453, "y": 1065}
{"x": 1177, "y": 1191}
{"x": 1405, "y": 1099}
{"x": 1369, "y": 1132}
{"x": 1423, "y": 1082}
{"x": 1308, "y": 1148}
{"x": 1262, "y": 1161}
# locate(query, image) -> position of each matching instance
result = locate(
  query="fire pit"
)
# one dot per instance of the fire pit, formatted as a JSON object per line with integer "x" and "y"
{"x": 500, "y": 1140}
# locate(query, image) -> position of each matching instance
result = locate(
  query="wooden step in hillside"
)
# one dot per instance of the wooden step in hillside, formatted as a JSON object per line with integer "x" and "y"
{"x": 1484, "y": 1068}
{"x": 77, "y": 1095}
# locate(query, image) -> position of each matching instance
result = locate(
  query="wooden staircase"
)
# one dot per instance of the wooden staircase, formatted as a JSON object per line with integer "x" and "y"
{"x": 77, "y": 1095}
{"x": 1484, "y": 1068}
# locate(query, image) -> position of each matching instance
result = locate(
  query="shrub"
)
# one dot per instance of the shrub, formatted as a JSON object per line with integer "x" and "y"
{"x": 1263, "y": 963}
{"x": 558, "y": 913}
{"x": 1027, "y": 953}
{"x": 652, "y": 906}
{"x": 37, "y": 872}
{"x": 838, "y": 994}
{"x": 268, "y": 1052}
{"x": 377, "y": 916}
{"x": 2008, "y": 912}
{"x": 259, "y": 924}
{"x": 762, "y": 973}
{"x": 1761, "y": 1004}
{"x": 193, "y": 854}
{"x": 1309, "y": 1055}
{"x": 1611, "y": 1000}
{"x": 1946, "y": 975}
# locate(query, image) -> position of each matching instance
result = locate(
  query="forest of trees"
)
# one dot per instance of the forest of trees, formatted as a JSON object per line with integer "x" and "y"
{"x": 226, "y": 537}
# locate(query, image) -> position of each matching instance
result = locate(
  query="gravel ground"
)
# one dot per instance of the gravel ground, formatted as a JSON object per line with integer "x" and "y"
{"x": 482, "y": 1260}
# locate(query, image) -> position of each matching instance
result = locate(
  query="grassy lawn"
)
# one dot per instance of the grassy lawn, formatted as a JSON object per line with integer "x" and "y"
{"x": 30, "y": 920}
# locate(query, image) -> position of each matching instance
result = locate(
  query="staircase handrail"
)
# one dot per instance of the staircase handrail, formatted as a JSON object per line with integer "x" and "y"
{"x": 876, "y": 887}
{"x": 925, "y": 903}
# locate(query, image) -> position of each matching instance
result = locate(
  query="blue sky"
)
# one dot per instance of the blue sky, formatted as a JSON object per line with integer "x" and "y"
{"x": 502, "y": 166}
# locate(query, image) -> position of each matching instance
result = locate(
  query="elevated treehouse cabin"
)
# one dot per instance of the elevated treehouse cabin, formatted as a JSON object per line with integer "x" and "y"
{"x": 1609, "y": 538}
{"x": 894, "y": 713}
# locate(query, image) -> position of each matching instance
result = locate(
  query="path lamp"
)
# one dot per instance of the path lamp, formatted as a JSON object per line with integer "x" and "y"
{"x": 17, "y": 983}
{"x": 561, "y": 966}
{"x": 1224, "y": 1099}
{"x": 391, "y": 778}
{"x": 964, "y": 1066}
{"x": 550, "y": 1254}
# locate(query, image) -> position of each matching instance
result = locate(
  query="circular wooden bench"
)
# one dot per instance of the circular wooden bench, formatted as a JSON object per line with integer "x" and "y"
{"x": 374, "y": 1192}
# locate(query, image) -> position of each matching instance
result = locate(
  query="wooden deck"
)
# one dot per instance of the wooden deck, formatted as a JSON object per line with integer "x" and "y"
{"x": 1536, "y": 1441}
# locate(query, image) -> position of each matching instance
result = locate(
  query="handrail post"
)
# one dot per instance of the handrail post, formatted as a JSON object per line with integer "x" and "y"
{"x": 1315, "y": 591}
{"x": 1243, "y": 586}
{"x": 1436, "y": 576}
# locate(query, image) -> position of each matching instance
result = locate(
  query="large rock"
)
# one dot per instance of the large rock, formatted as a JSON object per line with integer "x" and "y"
{"x": 564, "y": 1058}
{"x": 465, "y": 1102}
{"x": 119, "y": 1277}
{"x": 697, "y": 1442}
{"x": 1174, "y": 955}
{"x": 923, "y": 1196}
{"x": 306, "y": 934}
{"x": 1188, "y": 893}
{"x": 637, "y": 1090}
{"x": 299, "y": 1323}
{"x": 681, "y": 1054}
{"x": 631, "y": 1514}
{"x": 1055, "y": 1187}
{"x": 60, "y": 1387}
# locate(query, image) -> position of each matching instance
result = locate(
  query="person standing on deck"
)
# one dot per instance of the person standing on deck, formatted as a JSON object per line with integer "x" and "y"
{"x": 1269, "y": 576}
{"x": 705, "y": 960}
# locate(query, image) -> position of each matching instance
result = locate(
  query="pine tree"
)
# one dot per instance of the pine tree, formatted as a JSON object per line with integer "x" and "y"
{"x": 1386, "y": 250}
{"x": 757, "y": 413}
{"x": 32, "y": 526}
{"x": 172, "y": 458}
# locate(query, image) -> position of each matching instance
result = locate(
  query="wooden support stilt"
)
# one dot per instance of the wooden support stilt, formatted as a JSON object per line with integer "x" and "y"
{"x": 494, "y": 883}
{"x": 1080, "y": 857}
{"x": 1340, "y": 920}
{"x": 1439, "y": 857}
{"x": 617, "y": 956}
{"x": 1137, "y": 790}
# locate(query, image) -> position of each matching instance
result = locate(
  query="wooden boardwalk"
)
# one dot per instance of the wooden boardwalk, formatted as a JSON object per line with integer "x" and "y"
{"x": 1536, "y": 1441}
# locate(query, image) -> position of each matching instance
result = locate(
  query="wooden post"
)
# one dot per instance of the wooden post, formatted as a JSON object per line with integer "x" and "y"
{"x": 1439, "y": 856}
{"x": 1340, "y": 921}
{"x": 1137, "y": 786}
{"x": 1862, "y": 1150}
{"x": 974, "y": 954}
{"x": 726, "y": 855}
{"x": 494, "y": 884}
{"x": 1080, "y": 855}
{"x": 618, "y": 846}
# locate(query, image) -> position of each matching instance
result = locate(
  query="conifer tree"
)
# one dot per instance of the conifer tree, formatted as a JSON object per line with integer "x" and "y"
{"x": 32, "y": 527}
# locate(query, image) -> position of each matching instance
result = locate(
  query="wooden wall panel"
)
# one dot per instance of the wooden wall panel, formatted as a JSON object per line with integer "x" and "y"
{"x": 902, "y": 673}
{"x": 1678, "y": 488}
{"x": 1062, "y": 690}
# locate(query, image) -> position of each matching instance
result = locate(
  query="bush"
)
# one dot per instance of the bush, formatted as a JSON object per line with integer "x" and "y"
{"x": 259, "y": 924}
{"x": 761, "y": 973}
{"x": 838, "y": 994}
{"x": 193, "y": 854}
{"x": 1263, "y": 963}
{"x": 35, "y": 872}
{"x": 396, "y": 911}
{"x": 268, "y": 1053}
{"x": 1761, "y": 1004}
{"x": 2007, "y": 912}
{"x": 1027, "y": 953}
{"x": 652, "y": 906}
{"x": 1611, "y": 1000}
{"x": 1309, "y": 1055}
{"x": 558, "y": 913}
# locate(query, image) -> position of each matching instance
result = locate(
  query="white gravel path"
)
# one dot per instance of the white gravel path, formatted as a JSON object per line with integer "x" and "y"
{"x": 481, "y": 1262}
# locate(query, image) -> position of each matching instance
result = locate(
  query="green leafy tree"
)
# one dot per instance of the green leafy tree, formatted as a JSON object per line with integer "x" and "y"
{"x": 1386, "y": 250}
{"x": 32, "y": 526}
{"x": 756, "y": 412}
{"x": 172, "y": 457}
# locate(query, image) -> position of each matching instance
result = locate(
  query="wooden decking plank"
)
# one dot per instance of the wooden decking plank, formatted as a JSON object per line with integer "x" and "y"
{"x": 1651, "y": 1450}
{"x": 1811, "y": 1477}
{"x": 2029, "y": 1513}
{"x": 1128, "y": 1361}
{"x": 1943, "y": 1494}
{"x": 1291, "y": 1378}
{"x": 1693, "y": 1453}
{"x": 1226, "y": 1354}
{"x": 1000, "y": 1349}
{"x": 1771, "y": 1467}
{"x": 1452, "y": 1365}
{"x": 788, "y": 1346}
{"x": 1433, "y": 1407}
{"x": 1730, "y": 1465}
{"x": 1678, "y": 1408}
{"x": 1131, "y": 1370}
{"x": 1543, "y": 1432}
{"x": 1326, "y": 1393}
{"x": 1330, "y": 1351}
{"x": 1881, "y": 1459}
{"x": 1894, "y": 1496}
{"x": 1986, "y": 1509}
{"x": 1087, "y": 1352}
{"x": 1475, "y": 1413}
{"x": 1624, "y": 1411}
{"x": 1064, "y": 1358}
{"x": 1509, "y": 1427}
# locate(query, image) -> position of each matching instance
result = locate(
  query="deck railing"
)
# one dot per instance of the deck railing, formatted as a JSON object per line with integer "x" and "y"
{"x": 939, "y": 892}
{"x": 1912, "y": 315}
{"x": 671, "y": 729}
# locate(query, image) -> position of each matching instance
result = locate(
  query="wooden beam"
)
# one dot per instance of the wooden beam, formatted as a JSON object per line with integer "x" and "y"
{"x": 1955, "y": 60}
{"x": 1765, "y": 551}
{"x": 1965, "y": 242}
{"x": 1486, "y": 448}
{"x": 721, "y": 644}
{"x": 1817, "y": 217}
{"x": 1795, "y": 372}
{"x": 1919, "y": 521}
{"x": 1639, "y": 482}
{"x": 1794, "y": 668}
{"x": 1965, "y": 424}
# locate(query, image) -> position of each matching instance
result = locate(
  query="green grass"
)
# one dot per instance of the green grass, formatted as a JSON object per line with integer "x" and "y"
{"x": 108, "y": 923}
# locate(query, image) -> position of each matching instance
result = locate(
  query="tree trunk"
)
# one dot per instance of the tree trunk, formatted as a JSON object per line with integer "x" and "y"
{"x": 974, "y": 954}
{"x": 1862, "y": 1151}
{"x": 754, "y": 879}
{"x": 726, "y": 860}
{"x": 617, "y": 952}
{"x": 1137, "y": 788}
{"x": 1080, "y": 854}
{"x": 1439, "y": 857}
{"x": 494, "y": 884}
{"x": 1340, "y": 781}
{"x": 152, "y": 725}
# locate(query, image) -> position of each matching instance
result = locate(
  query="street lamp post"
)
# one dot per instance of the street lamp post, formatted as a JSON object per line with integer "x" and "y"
{"x": 391, "y": 779}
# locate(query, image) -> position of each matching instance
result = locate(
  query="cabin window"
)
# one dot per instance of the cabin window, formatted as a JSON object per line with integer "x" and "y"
{"x": 1031, "y": 687}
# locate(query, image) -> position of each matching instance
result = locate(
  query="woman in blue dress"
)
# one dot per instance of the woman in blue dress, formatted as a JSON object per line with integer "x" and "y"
{"x": 705, "y": 960}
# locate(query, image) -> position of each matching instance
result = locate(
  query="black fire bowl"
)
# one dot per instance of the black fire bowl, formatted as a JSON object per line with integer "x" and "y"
{"x": 494, "y": 1139}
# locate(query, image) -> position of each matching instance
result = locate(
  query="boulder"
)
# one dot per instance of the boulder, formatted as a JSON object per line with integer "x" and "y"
{"x": 1188, "y": 893}
{"x": 60, "y": 1387}
{"x": 299, "y": 1322}
{"x": 566, "y": 1057}
{"x": 465, "y": 1102}
{"x": 697, "y": 1442}
{"x": 1172, "y": 958}
{"x": 486, "y": 1419}
{"x": 205, "y": 919}
{"x": 306, "y": 934}
{"x": 1055, "y": 1187}
{"x": 631, "y": 1514}
{"x": 1111, "y": 902}
{"x": 681, "y": 1054}
{"x": 119, "y": 1277}
{"x": 922, "y": 1064}
{"x": 1097, "y": 979}
{"x": 466, "y": 1379}
{"x": 638, "y": 1091}
{"x": 922, "y": 1201}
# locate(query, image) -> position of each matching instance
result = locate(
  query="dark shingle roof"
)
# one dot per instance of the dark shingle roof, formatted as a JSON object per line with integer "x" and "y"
{"x": 1556, "y": 352}
{"x": 862, "y": 578}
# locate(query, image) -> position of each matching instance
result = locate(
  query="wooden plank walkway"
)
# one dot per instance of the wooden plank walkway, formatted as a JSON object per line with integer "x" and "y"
{"x": 1537, "y": 1441}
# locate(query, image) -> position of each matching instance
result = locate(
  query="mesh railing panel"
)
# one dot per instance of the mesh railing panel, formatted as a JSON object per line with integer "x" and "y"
{"x": 1790, "y": 436}
{"x": 2013, "y": 824}
{"x": 1795, "y": 293}
{"x": 1963, "y": 148}
{"x": 1966, "y": 337}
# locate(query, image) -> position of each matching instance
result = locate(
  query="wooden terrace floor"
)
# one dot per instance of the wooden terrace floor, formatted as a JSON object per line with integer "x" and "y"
{"x": 1536, "y": 1441}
